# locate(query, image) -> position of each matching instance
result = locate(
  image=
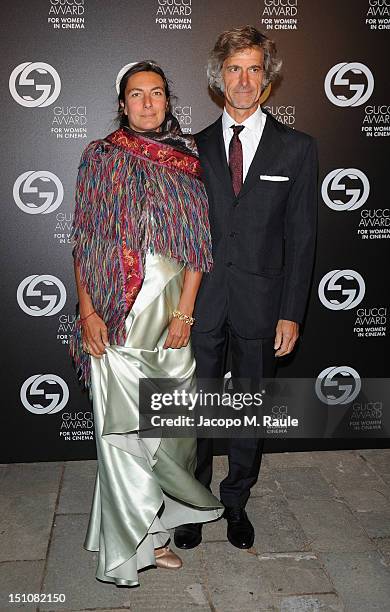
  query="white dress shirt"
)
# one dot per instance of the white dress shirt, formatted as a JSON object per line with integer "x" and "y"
{"x": 250, "y": 136}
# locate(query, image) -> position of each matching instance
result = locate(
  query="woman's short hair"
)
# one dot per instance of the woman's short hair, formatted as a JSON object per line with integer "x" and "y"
{"x": 237, "y": 39}
{"x": 144, "y": 66}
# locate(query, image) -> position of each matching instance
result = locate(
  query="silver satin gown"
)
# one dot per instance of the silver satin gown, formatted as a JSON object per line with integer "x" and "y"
{"x": 143, "y": 486}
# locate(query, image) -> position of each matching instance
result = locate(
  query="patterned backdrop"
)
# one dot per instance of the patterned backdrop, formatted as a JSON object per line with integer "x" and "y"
{"x": 60, "y": 62}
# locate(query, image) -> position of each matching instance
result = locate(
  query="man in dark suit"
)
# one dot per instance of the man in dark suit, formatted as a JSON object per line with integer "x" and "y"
{"x": 261, "y": 180}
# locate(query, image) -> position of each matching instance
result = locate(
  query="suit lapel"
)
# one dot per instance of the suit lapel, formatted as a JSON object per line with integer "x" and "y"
{"x": 215, "y": 152}
{"x": 269, "y": 149}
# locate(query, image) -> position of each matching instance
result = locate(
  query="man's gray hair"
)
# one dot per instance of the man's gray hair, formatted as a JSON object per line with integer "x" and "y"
{"x": 237, "y": 39}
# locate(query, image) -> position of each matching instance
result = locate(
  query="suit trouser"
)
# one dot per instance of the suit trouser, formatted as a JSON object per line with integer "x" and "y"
{"x": 250, "y": 360}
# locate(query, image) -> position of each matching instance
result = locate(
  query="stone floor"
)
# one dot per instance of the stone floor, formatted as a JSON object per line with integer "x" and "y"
{"x": 322, "y": 523}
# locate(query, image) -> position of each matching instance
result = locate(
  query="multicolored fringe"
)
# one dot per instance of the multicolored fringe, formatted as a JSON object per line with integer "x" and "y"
{"x": 129, "y": 203}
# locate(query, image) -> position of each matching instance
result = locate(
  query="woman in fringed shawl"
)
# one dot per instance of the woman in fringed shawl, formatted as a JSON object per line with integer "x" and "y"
{"x": 141, "y": 243}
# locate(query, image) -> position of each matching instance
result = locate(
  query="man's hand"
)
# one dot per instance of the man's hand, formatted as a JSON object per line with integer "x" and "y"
{"x": 287, "y": 333}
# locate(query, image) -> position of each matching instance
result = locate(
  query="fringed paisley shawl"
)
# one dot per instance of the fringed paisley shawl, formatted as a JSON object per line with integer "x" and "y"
{"x": 133, "y": 194}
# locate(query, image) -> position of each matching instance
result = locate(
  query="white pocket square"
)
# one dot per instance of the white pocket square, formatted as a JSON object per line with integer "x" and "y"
{"x": 267, "y": 177}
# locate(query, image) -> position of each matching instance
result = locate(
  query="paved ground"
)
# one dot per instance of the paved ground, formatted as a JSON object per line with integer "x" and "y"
{"x": 322, "y": 524}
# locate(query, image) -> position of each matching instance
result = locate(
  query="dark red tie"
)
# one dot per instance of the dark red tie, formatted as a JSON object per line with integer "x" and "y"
{"x": 235, "y": 158}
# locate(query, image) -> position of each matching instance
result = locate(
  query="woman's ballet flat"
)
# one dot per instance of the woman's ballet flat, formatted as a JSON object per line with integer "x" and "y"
{"x": 167, "y": 559}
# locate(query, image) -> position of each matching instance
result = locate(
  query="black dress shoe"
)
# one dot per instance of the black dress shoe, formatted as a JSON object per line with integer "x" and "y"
{"x": 240, "y": 530}
{"x": 188, "y": 536}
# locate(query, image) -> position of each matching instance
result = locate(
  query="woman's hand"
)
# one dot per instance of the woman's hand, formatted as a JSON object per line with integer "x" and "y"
{"x": 95, "y": 337}
{"x": 179, "y": 331}
{"x": 178, "y": 334}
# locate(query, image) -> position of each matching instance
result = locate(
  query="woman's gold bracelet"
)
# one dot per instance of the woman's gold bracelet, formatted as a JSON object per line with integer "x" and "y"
{"x": 177, "y": 314}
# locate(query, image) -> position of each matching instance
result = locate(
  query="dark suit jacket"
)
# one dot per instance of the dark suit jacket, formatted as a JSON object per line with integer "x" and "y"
{"x": 263, "y": 239}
